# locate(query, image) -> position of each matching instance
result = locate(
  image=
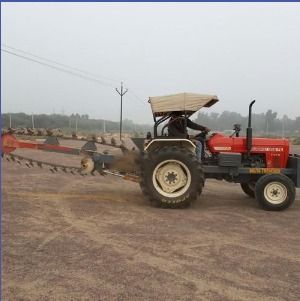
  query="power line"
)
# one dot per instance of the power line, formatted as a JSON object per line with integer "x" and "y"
{"x": 58, "y": 68}
{"x": 83, "y": 74}
{"x": 90, "y": 76}
{"x": 135, "y": 100}
{"x": 137, "y": 97}
{"x": 60, "y": 64}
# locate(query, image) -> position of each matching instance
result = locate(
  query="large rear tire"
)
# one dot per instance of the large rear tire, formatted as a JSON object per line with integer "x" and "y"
{"x": 275, "y": 192}
{"x": 171, "y": 177}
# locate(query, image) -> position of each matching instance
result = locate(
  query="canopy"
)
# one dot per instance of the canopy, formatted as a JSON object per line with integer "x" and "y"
{"x": 189, "y": 102}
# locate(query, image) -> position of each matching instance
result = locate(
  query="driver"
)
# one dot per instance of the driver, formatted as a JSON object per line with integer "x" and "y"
{"x": 177, "y": 128}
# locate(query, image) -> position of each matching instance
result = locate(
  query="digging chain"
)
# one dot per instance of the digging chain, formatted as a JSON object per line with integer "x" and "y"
{"x": 30, "y": 163}
{"x": 73, "y": 170}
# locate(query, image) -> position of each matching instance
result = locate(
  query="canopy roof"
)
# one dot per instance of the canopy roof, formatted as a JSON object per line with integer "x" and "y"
{"x": 188, "y": 102}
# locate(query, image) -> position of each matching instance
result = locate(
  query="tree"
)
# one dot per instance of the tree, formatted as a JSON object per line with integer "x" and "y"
{"x": 270, "y": 118}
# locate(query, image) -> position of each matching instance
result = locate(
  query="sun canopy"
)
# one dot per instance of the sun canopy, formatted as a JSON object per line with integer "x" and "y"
{"x": 188, "y": 102}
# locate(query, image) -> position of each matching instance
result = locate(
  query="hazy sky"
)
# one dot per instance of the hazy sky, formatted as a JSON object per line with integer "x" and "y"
{"x": 237, "y": 51}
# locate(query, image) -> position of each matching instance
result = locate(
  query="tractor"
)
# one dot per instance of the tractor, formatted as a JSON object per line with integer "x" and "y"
{"x": 166, "y": 167}
{"x": 172, "y": 177}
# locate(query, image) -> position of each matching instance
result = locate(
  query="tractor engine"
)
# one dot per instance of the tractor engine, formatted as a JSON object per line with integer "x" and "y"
{"x": 265, "y": 152}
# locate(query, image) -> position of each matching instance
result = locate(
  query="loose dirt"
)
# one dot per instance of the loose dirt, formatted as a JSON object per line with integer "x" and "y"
{"x": 96, "y": 238}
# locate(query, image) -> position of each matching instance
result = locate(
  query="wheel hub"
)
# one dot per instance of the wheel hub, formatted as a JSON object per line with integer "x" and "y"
{"x": 171, "y": 177}
{"x": 87, "y": 165}
{"x": 275, "y": 192}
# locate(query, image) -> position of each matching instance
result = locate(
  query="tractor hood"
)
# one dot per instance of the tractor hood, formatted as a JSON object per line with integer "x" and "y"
{"x": 188, "y": 102}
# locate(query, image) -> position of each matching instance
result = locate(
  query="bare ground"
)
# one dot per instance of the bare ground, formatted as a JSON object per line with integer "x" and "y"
{"x": 72, "y": 238}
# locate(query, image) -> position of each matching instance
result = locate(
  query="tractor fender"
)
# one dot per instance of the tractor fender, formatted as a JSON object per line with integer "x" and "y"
{"x": 160, "y": 142}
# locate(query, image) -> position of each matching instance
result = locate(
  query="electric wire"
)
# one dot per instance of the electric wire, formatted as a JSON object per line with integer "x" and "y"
{"x": 58, "y": 68}
{"x": 143, "y": 102}
{"x": 61, "y": 64}
{"x": 89, "y": 75}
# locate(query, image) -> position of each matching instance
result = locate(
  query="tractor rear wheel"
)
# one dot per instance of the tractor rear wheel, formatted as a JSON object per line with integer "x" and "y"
{"x": 249, "y": 188}
{"x": 171, "y": 177}
{"x": 275, "y": 192}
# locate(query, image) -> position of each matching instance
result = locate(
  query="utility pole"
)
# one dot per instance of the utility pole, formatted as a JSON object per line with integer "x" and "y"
{"x": 121, "y": 118}
{"x": 104, "y": 126}
{"x": 10, "y": 120}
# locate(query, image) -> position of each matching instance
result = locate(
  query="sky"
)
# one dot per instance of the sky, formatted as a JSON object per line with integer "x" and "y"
{"x": 237, "y": 51}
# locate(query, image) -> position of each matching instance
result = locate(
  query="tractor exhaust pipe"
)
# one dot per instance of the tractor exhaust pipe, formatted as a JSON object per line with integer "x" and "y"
{"x": 249, "y": 129}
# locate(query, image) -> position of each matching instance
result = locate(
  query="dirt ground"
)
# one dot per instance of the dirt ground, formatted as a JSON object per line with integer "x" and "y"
{"x": 69, "y": 238}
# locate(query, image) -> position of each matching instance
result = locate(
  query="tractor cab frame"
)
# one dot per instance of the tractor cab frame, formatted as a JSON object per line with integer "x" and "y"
{"x": 184, "y": 103}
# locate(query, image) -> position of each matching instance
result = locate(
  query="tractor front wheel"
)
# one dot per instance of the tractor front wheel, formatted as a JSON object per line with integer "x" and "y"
{"x": 275, "y": 192}
{"x": 171, "y": 177}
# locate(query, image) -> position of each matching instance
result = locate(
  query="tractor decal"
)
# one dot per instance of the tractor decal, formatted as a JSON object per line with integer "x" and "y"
{"x": 267, "y": 149}
{"x": 265, "y": 170}
{"x": 222, "y": 148}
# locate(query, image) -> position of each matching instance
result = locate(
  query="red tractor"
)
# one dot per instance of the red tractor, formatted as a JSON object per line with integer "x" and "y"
{"x": 172, "y": 177}
{"x": 168, "y": 171}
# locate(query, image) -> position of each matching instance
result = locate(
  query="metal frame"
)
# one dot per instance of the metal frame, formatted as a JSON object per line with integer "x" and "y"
{"x": 170, "y": 140}
{"x": 157, "y": 122}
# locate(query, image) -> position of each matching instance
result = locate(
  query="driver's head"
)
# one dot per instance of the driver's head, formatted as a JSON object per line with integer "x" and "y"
{"x": 176, "y": 114}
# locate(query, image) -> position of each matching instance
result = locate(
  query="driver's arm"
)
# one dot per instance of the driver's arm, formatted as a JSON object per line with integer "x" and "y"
{"x": 195, "y": 126}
